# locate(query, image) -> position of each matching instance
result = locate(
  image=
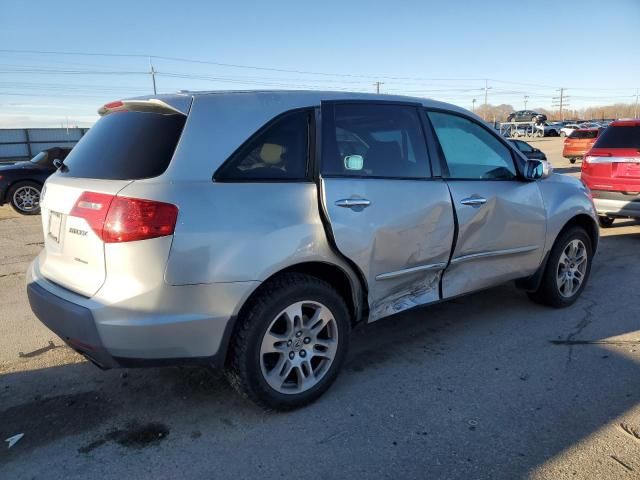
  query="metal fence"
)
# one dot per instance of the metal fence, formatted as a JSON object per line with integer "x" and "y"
{"x": 23, "y": 143}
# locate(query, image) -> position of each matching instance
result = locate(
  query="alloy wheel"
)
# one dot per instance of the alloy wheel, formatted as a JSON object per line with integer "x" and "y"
{"x": 299, "y": 347}
{"x": 26, "y": 198}
{"x": 572, "y": 268}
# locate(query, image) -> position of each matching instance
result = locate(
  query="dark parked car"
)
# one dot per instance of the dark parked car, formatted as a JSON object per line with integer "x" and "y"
{"x": 527, "y": 116}
{"x": 21, "y": 182}
{"x": 528, "y": 150}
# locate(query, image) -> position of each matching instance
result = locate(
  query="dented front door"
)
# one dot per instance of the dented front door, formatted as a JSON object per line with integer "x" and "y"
{"x": 385, "y": 212}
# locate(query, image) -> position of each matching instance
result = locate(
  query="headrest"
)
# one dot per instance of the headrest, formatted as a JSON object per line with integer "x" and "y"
{"x": 271, "y": 153}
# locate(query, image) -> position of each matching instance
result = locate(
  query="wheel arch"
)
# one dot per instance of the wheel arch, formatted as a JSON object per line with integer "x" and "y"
{"x": 582, "y": 220}
{"x": 588, "y": 223}
{"x": 349, "y": 285}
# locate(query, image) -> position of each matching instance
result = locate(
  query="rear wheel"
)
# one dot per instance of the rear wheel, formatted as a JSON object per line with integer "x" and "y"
{"x": 24, "y": 197}
{"x": 291, "y": 342}
{"x": 604, "y": 221}
{"x": 572, "y": 160}
{"x": 567, "y": 269}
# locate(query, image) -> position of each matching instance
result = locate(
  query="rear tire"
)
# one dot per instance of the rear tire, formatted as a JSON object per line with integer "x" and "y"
{"x": 572, "y": 161}
{"x": 605, "y": 222}
{"x": 281, "y": 358}
{"x": 566, "y": 274}
{"x": 24, "y": 197}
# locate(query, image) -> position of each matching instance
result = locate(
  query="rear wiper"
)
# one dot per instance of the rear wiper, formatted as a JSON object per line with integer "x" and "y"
{"x": 59, "y": 164}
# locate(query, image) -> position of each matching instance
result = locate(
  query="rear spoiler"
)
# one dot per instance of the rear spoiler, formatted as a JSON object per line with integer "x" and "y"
{"x": 152, "y": 105}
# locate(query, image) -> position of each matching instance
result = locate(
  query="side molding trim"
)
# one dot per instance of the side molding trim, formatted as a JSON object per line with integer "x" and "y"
{"x": 408, "y": 271}
{"x": 493, "y": 253}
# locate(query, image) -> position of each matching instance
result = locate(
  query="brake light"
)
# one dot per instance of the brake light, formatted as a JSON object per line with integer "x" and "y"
{"x": 114, "y": 105}
{"x": 123, "y": 219}
{"x": 111, "y": 107}
{"x": 131, "y": 219}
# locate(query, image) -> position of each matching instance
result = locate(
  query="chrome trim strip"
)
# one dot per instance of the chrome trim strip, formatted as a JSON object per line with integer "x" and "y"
{"x": 407, "y": 271}
{"x": 494, "y": 253}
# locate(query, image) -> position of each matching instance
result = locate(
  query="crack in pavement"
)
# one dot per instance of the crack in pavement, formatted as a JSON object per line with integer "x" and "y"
{"x": 595, "y": 342}
{"x": 584, "y": 322}
{"x": 10, "y": 274}
{"x": 629, "y": 430}
{"x": 621, "y": 463}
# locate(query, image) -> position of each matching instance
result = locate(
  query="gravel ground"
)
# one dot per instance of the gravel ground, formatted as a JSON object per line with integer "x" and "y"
{"x": 486, "y": 386}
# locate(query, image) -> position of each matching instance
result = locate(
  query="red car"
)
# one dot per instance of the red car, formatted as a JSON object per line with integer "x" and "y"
{"x": 579, "y": 143}
{"x": 611, "y": 169}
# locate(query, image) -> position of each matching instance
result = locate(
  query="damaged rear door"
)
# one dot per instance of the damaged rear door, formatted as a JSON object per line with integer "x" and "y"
{"x": 386, "y": 213}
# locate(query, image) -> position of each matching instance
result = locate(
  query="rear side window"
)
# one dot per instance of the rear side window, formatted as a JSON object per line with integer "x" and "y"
{"x": 279, "y": 151}
{"x": 373, "y": 140}
{"x": 126, "y": 146}
{"x": 619, "y": 137}
{"x": 584, "y": 134}
{"x": 470, "y": 151}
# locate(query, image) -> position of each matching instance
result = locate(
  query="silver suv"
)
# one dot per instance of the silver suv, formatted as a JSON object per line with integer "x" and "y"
{"x": 252, "y": 231}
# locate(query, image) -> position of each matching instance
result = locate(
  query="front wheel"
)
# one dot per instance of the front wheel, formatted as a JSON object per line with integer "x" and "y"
{"x": 567, "y": 269}
{"x": 604, "y": 221}
{"x": 290, "y": 343}
{"x": 562, "y": 134}
{"x": 572, "y": 161}
{"x": 24, "y": 198}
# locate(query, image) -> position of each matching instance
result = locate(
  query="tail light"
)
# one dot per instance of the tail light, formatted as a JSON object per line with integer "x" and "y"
{"x": 123, "y": 219}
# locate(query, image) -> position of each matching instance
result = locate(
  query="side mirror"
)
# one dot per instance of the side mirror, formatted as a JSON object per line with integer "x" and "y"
{"x": 537, "y": 169}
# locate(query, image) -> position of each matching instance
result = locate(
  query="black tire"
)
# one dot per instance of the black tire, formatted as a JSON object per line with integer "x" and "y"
{"x": 244, "y": 370}
{"x": 15, "y": 202}
{"x": 572, "y": 161}
{"x": 605, "y": 222}
{"x": 548, "y": 293}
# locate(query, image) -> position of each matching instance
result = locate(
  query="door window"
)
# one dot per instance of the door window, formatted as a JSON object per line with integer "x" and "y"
{"x": 470, "y": 151}
{"x": 373, "y": 140}
{"x": 523, "y": 147}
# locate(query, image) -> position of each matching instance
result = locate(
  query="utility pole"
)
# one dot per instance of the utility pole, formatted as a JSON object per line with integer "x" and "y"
{"x": 153, "y": 77}
{"x": 560, "y": 102}
{"x": 635, "y": 110}
{"x": 377, "y": 84}
{"x": 473, "y": 105}
{"x": 486, "y": 91}
{"x": 526, "y": 98}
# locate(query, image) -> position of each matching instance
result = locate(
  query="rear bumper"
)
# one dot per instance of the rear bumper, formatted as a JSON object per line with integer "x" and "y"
{"x": 188, "y": 324}
{"x": 73, "y": 323}
{"x": 616, "y": 203}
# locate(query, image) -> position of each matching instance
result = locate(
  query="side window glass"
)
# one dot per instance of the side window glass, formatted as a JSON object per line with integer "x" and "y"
{"x": 373, "y": 140}
{"x": 470, "y": 151}
{"x": 281, "y": 151}
{"x": 524, "y": 147}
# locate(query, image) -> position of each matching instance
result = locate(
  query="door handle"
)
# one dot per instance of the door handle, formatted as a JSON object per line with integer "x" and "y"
{"x": 358, "y": 203}
{"x": 474, "y": 201}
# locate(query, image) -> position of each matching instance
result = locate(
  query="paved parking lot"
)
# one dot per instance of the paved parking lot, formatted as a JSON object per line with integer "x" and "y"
{"x": 487, "y": 386}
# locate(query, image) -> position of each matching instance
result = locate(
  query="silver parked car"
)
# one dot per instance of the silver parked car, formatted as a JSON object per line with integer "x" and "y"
{"x": 252, "y": 230}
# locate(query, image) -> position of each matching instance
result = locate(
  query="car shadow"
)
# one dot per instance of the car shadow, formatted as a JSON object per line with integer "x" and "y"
{"x": 478, "y": 386}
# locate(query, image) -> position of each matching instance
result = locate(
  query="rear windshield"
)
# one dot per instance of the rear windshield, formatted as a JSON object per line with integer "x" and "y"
{"x": 620, "y": 137}
{"x": 584, "y": 134}
{"x": 126, "y": 146}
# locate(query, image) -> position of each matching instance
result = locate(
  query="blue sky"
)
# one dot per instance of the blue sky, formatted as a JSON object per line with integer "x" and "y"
{"x": 437, "y": 49}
